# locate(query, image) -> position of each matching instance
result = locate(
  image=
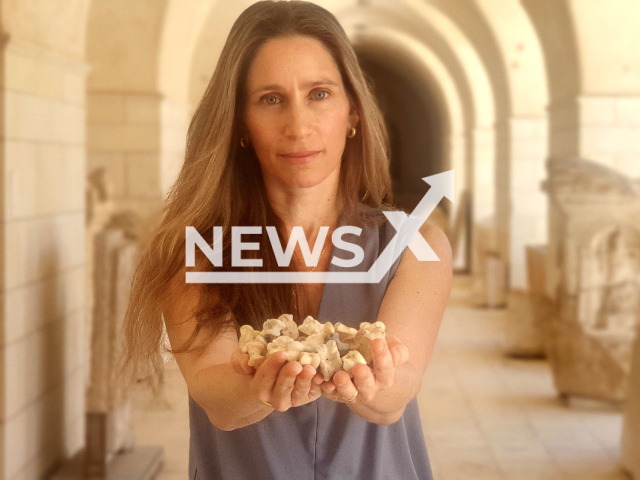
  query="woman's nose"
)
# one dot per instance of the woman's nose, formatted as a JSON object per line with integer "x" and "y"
{"x": 297, "y": 119}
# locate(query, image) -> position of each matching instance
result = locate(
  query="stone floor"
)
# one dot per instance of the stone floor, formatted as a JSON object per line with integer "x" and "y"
{"x": 484, "y": 416}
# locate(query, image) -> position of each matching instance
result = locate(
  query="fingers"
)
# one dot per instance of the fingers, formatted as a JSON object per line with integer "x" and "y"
{"x": 266, "y": 376}
{"x": 328, "y": 389}
{"x": 302, "y": 390}
{"x": 240, "y": 364}
{"x": 364, "y": 382}
{"x": 283, "y": 388}
{"x": 344, "y": 387}
{"x": 316, "y": 386}
{"x": 367, "y": 381}
{"x": 404, "y": 353}
{"x": 399, "y": 351}
{"x": 383, "y": 368}
{"x": 334, "y": 397}
{"x": 286, "y": 384}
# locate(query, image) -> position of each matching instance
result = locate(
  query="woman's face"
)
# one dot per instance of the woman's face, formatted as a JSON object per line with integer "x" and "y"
{"x": 296, "y": 103}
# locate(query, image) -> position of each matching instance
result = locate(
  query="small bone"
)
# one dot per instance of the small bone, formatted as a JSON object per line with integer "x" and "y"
{"x": 291, "y": 327}
{"x": 258, "y": 362}
{"x": 330, "y": 361}
{"x": 310, "y": 326}
{"x": 286, "y": 344}
{"x": 272, "y": 329}
{"x": 347, "y": 334}
{"x": 370, "y": 326}
{"x": 364, "y": 338}
{"x": 315, "y": 339}
{"x": 329, "y": 329}
{"x": 247, "y": 334}
{"x": 257, "y": 351}
{"x": 351, "y": 359}
{"x": 325, "y": 346}
{"x": 343, "y": 348}
{"x": 309, "y": 358}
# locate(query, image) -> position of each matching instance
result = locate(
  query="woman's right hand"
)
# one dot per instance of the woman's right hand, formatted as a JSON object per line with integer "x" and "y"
{"x": 281, "y": 383}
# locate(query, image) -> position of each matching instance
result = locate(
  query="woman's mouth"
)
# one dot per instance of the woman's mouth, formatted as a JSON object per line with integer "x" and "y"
{"x": 300, "y": 158}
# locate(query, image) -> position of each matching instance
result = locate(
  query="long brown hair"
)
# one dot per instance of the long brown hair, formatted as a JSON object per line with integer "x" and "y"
{"x": 221, "y": 184}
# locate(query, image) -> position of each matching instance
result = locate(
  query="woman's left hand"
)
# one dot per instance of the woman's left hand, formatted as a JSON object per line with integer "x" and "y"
{"x": 387, "y": 354}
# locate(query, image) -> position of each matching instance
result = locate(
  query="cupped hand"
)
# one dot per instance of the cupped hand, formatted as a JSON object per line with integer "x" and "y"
{"x": 387, "y": 354}
{"x": 279, "y": 382}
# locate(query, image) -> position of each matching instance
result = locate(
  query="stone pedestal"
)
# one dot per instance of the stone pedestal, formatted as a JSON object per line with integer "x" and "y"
{"x": 595, "y": 217}
{"x": 523, "y": 338}
{"x": 631, "y": 428}
{"x": 490, "y": 272}
{"x": 141, "y": 463}
{"x": 544, "y": 307}
{"x": 495, "y": 280}
{"x": 531, "y": 312}
{"x": 109, "y": 427}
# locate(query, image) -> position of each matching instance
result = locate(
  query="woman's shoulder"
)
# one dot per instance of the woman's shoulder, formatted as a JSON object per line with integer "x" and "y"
{"x": 372, "y": 214}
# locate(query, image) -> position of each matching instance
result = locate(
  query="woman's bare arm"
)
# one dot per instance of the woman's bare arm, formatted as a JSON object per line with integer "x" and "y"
{"x": 412, "y": 310}
{"x": 210, "y": 378}
{"x": 230, "y": 400}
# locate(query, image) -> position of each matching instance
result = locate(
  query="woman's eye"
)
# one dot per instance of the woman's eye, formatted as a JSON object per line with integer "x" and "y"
{"x": 267, "y": 99}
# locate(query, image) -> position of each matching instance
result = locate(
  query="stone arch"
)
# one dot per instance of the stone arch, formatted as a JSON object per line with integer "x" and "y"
{"x": 593, "y": 79}
{"x": 412, "y": 58}
{"x": 509, "y": 49}
{"x": 555, "y": 28}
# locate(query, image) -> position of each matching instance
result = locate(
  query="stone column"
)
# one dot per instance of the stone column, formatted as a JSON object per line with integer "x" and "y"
{"x": 42, "y": 169}
{"x": 631, "y": 428}
{"x": 108, "y": 425}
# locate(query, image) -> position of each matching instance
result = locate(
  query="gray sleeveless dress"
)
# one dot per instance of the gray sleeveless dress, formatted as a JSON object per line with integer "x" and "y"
{"x": 321, "y": 440}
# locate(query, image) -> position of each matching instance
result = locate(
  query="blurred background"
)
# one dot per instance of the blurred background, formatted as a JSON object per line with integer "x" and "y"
{"x": 535, "y": 104}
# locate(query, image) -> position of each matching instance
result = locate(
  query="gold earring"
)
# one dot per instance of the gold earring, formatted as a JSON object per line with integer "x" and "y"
{"x": 352, "y": 132}
{"x": 243, "y": 143}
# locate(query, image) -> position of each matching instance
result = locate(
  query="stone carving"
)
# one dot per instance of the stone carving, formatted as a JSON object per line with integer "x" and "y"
{"x": 113, "y": 245}
{"x": 615, "y": 267}
{"x": 595, "y": 248}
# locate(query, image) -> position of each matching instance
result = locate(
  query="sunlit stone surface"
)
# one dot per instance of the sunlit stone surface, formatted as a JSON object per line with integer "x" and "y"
{"x": 595, "y": 214}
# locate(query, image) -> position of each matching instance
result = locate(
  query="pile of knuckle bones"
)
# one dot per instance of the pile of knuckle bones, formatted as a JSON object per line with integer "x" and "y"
{"x": 325, "y": 346}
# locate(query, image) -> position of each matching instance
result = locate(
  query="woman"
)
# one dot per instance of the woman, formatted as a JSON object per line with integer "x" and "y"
{"x": 288, "y": 134}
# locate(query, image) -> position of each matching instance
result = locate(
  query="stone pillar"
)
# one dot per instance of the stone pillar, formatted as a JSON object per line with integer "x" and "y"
{"x": 521, "y": 219}
{"x": 631, "y": 427}
{"x": 521, "y": 204}
{"x": 42, "y": 215}
{"x": 109, "y": 427}
{"x": 531, "y": 313}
